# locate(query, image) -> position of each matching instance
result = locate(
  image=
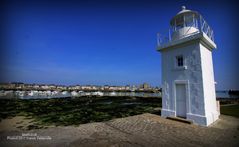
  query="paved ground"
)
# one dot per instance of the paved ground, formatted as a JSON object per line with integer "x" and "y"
{"x": 141, "y": 130}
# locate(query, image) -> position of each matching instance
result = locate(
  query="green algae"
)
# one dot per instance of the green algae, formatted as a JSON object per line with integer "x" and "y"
{"x": 75, "y": 111}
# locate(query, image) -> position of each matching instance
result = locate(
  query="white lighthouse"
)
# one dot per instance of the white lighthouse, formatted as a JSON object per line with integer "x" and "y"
{"x": 187, "y": 69}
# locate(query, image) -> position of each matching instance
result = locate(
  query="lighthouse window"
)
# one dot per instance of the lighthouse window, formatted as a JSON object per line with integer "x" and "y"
{"x": 189, "y": 21}
{"x": 179, "y": 22}
{"x": 179, "y": 60}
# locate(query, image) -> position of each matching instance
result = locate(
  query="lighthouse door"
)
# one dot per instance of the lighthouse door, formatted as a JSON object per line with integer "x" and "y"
{"x": 181, "y": 100}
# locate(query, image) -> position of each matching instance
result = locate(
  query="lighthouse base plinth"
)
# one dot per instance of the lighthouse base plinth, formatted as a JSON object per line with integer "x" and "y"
{"x": 195, "y": 118}
{"x": 203, "y": 120}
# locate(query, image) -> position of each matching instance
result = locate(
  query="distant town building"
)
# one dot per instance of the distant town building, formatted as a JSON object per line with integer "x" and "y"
{"x": 145, "y": 86}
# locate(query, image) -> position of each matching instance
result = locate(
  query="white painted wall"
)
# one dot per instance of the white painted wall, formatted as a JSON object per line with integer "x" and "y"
{"x": 184, "y": 32}
{"x": 191, "y": 75}
{"x": 197, "y": 75}
{"x": 209, "y": 84}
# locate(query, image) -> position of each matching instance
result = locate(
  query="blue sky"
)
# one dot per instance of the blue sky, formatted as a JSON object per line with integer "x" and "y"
{"x": 104, "y": 42}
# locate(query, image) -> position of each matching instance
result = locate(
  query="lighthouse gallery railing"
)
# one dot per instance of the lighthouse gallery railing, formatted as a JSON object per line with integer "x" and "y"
{"x": 199, "y": 23}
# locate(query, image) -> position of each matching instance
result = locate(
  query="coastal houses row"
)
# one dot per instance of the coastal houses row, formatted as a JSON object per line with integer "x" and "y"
{"x": 23, "y": 86}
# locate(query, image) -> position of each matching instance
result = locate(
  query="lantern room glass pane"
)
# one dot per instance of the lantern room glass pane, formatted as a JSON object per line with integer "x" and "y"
{"x": 179, "y": 22}
{"x": 189, "y": 20}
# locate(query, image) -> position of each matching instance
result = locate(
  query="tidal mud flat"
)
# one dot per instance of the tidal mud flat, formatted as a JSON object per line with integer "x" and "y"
{"x": 75, "y": 111}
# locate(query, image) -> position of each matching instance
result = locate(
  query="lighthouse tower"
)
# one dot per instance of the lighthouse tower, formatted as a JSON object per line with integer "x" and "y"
{"x": 187, "y": 69}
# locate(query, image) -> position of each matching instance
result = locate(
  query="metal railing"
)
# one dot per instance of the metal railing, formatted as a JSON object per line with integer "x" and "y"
{"x": 198, "y": 23}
